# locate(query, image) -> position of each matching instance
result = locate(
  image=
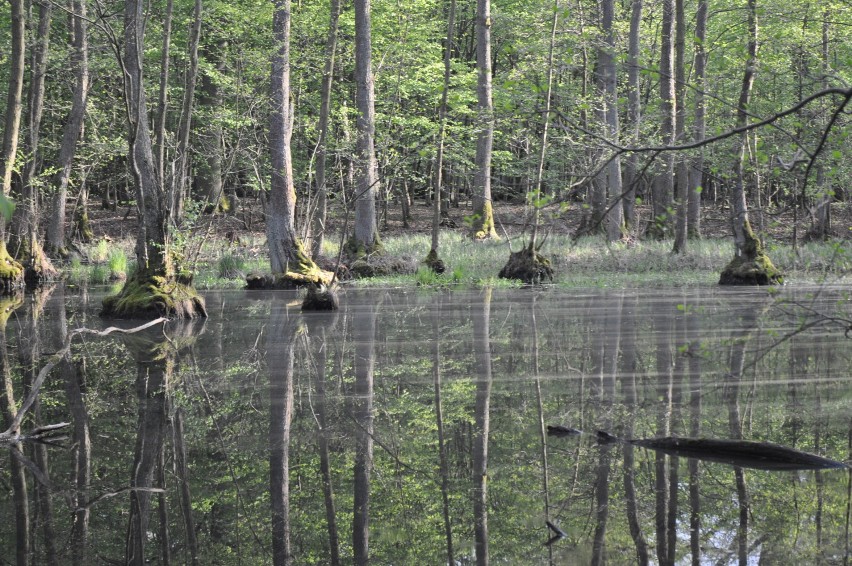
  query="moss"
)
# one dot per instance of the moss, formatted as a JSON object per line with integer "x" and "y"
{"x": 38, "y": 268}
{"x": 483, "y": 226}
{"x": 8, "y": 305}
{"x": 11, "y": 272}
{"x": 357, "y": 250}
{"x": 82, "y": 227}
{"x": 752, "y": 266}
{"x": 527, "y": 265}
{"x": 434, "y": 263}
{"x": 151, "y": 296}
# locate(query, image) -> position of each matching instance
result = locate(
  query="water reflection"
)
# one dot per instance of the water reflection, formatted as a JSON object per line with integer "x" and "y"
{"x": 409, "y": 428}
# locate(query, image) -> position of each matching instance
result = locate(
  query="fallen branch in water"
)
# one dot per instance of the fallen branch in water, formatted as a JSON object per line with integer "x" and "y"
{"x": 12, "y": 434}
{"x": 741, "y": 453}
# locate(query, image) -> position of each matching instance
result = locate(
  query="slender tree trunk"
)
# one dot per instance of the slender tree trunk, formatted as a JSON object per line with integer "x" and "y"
{"x": 11, "y": 272}
{"x": 280, "y": 352}
{"x": 482, "y": 420}
{"x": 751, "y": 265}
{"x": 180, "y": 185}
{"x": 319, "y": 218}
{"x": 182, "y": 475}
{"x": 483, "y": 211}
{"x": 631, "y": 177}
{"x": 163, "y": 98}
{"x": 366, "y": 232}
{"x": 696, "y": 168}
{"x": 438, "y": 175}
{"x": 55, "y": 238}
{"x": 663, "y": 187}
{"x": 821, "y": 212}
{"x": 681, "y": 171}
{"x": 606, "y": 60}
{"x": 24, "y": 240}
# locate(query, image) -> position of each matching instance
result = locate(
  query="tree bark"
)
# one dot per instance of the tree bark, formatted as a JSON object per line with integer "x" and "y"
{"x": 663, "y": 186}
{"x": 12, "y": 272}
{"x": 483, "y": 211}
{"x": 631, "y": 176}
{"x": 163, "y": 98}
{"x": 699, "y": 128}
{"x": 287, "y": 256}
{"x": 366, "y": 234}
{"x": 443, "y": 467}
{"x": 55, "y": 238}
{"x": 319, "y": 218}
{"x": 681, "y": 172}
{"x": 606, "y": 61}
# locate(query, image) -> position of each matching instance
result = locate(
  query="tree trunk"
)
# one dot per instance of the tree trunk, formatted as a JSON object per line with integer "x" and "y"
{"x": 631, "y": 176}
{"x": 287, "y": 256}
{"x": 319, "y": 218}
{"x": 432, "y": 259}
{"x": 24, "y": 239}
{"x": 751, "y": 265}
{"x": 696, "y": 168}
{"x": 663, "y": 186}
{"x": 366, "y": 234}
{"x": 180, "y": 185}
{"x": 483, "y": 212}
{"x": 606, "y": 59}
{"x": 55, "y": 238}
{"x": 681, "y": 172}
{"x": 12, "y": 272}
{"x": 443, "y": 467}
{"x": 158, "y": 288}
{"x": 163, "y": 98}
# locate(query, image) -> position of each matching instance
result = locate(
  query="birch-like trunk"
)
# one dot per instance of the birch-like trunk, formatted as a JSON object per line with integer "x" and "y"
{"x": 483, "y": 211}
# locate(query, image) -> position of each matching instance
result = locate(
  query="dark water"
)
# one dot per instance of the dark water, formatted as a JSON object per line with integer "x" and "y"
{"x": 215, "y": 440}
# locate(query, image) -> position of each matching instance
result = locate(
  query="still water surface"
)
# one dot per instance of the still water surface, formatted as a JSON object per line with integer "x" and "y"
{"x": 409, "y": 429}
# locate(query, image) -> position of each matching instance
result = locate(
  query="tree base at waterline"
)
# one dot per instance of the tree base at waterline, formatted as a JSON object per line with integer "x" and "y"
{"x": 756, "y": 270}
{"x": 152, "y": 296}
{"x": 435, "y": 263}
{"x": 528, "y": 266}
{"x": 288, "y": 281}
{"x": 38, "y": 269}
{"x": 11, "y": 272}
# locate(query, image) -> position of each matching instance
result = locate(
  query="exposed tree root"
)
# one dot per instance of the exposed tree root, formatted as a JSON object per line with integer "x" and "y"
{"x": 435, "y": 263}
{"x": 752, "y": 267}
{"x": 321, "y": 298}
{"x": 528, "y": 266}
{"x": 148, "y": 296}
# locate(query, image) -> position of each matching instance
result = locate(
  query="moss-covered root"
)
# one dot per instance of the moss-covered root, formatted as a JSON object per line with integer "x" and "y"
{"x": 528, "y": 266}
{"x": 744, "y": 270}
{"x": 435, "y": 263}
{"x": 11, "y": 272}
{"x": 289, "y": 280}
{"x": 152, "y": 296}
{"x": 82, "y": 227}
{"x": 321, "y": 298}
{"x": 38, "y": 269}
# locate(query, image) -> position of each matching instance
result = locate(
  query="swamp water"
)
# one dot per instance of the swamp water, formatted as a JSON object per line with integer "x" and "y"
{"x": 413, "y": 423}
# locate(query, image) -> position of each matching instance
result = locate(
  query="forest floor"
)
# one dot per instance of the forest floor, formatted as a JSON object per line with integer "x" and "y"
{"x": 246, "y": 223}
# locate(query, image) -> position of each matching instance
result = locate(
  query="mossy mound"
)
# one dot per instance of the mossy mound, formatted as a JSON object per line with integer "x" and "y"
{"x": 356, "y": 250}
{"x": 11, "y": 272}
{"x": 152, "y": 296}
{"x": 528, "y": 266}
{"x": 435, "y": 263}
{"x": 744, "y": 270}
{"x": 378, "y": 265}
{"x": 321, "y": 298}
{"x": 287, "y": 281}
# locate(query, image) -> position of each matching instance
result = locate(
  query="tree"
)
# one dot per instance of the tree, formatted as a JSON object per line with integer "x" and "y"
{"x": 55, "y": 237}
{"x": 159, "y": 286}
{"x": 699, "y": 127}
{"x": 289, "y": 262}
{"x": 751, "y": 265}
{"x": 483, "y": 212}
{"x": 365, "y": 238}
{"x": 12, "y": 272}
{"x": 606, "y": 64}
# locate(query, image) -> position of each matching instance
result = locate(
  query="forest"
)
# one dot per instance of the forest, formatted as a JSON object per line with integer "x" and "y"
{"x": 633, "y": 120}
